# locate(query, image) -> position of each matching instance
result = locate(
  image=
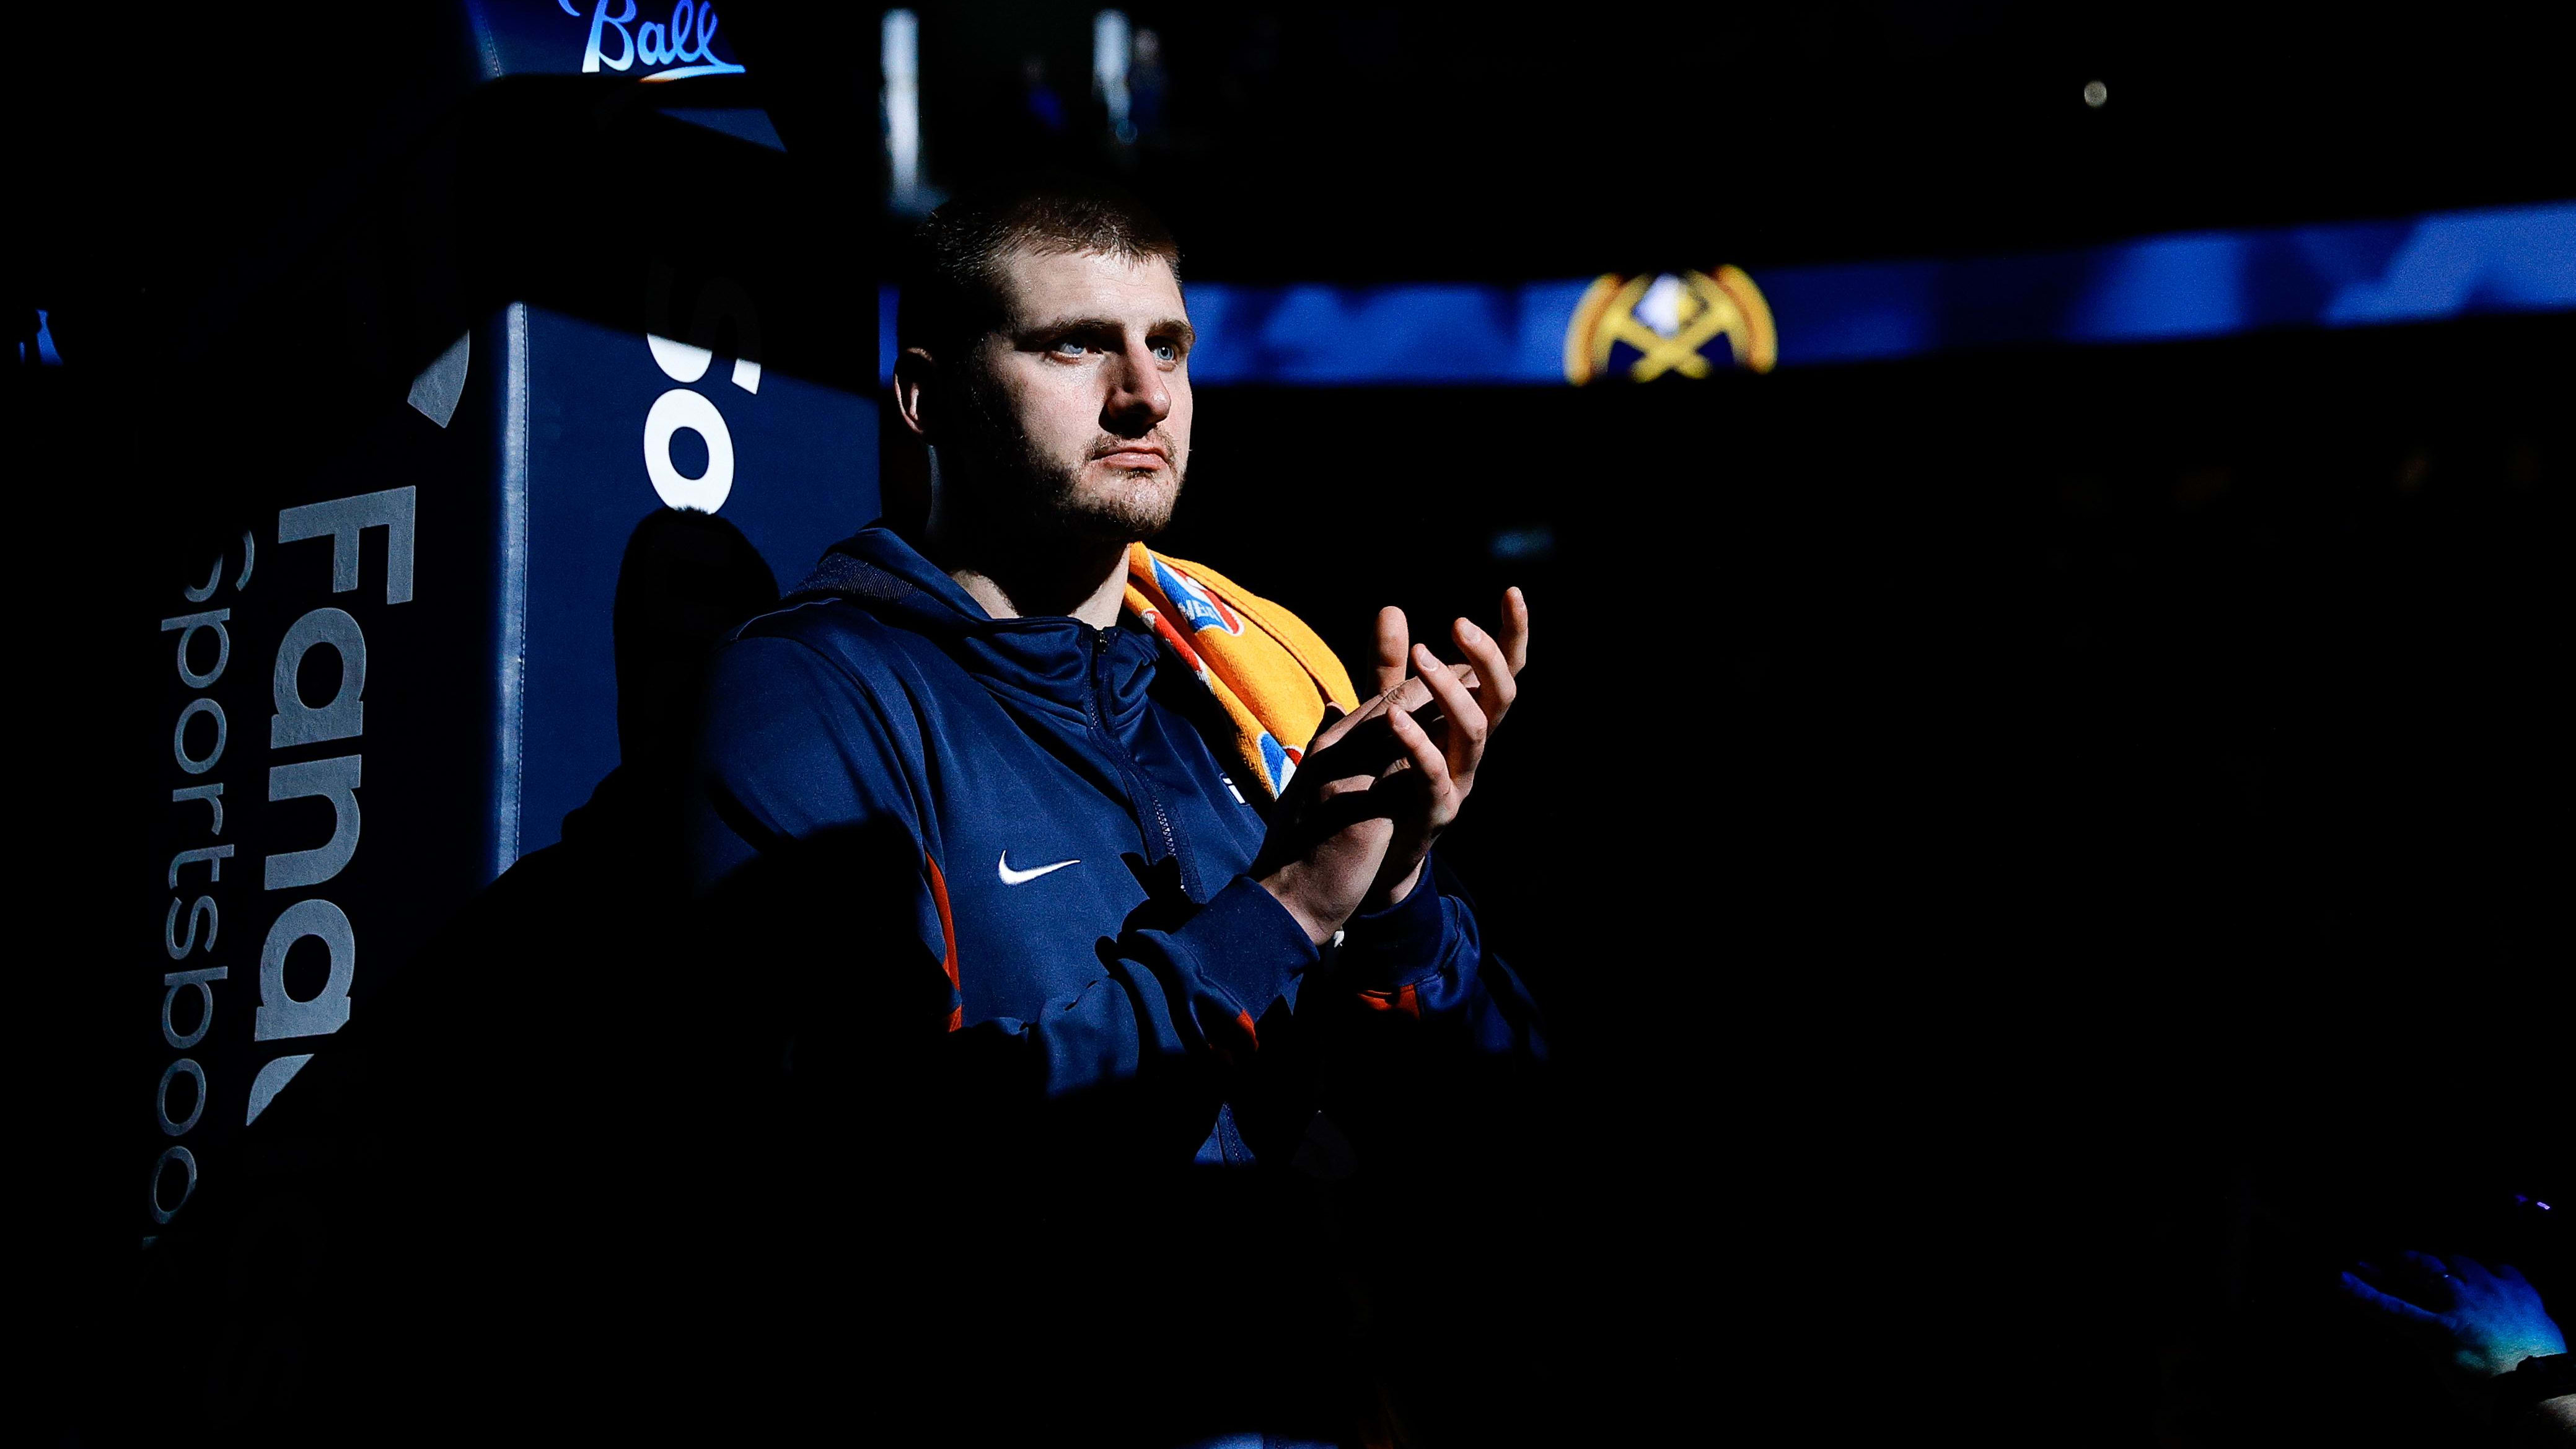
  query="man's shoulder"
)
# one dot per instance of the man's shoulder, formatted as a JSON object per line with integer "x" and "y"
{"x": 841, "y": 632}
{"x": 805, "y": 684}
{"x": 824, "y": 659}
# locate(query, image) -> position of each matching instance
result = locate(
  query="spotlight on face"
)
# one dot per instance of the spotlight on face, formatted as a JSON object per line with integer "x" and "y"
{"x": 1090, "y": 377}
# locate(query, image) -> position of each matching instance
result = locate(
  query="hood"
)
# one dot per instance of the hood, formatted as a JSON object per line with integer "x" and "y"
{"x": 1052, "y": 665}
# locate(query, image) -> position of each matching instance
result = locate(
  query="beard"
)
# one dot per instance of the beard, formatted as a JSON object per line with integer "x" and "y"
{"x": 1015, "y": 486}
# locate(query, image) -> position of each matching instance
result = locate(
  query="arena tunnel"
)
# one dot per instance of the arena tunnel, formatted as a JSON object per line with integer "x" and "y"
{"x": 2034, "y": 802}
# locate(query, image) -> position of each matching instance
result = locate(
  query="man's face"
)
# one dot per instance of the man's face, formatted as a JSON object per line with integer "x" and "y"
{"x": 1083, "y": 396}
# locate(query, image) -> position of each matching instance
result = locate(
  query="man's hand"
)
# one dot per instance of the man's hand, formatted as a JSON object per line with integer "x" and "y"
{"x": 1328, "y": 834}
{"x": 1377, "y": 786}
{"x": 2479, "y": 1322}
{"x": 1440, "y": 762}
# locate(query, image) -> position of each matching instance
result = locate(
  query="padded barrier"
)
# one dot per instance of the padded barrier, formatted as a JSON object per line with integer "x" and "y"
{"x": 387, "y": 663}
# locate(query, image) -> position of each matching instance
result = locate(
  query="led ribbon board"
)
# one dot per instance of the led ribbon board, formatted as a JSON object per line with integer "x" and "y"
{"x": 1691, "y": 324}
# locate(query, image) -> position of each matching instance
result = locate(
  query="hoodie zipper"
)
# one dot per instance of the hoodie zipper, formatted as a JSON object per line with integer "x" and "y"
{"x": 1128, "y": 767}
{"x": 1229, "y": 1137}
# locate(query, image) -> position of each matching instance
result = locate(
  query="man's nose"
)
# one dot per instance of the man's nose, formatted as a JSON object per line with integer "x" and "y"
{"x": 1140, "y": 396}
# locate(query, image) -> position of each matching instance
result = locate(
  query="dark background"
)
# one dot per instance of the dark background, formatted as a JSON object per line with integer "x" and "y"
{"x": 2035, "y": 861}
{"x": 1373, "y": 142}
{"x": 2033, "y": 858}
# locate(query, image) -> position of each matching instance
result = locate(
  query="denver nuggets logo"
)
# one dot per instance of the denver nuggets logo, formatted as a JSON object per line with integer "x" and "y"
{"x": 1644, "y": 327}
{"x": 1199, "y": 608}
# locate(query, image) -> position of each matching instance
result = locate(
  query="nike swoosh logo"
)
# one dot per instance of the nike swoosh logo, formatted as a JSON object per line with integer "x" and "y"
{"x": 1023, "y": 877}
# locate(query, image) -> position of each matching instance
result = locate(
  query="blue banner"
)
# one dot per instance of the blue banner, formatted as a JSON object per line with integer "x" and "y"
{"x": 2150, "y": 289}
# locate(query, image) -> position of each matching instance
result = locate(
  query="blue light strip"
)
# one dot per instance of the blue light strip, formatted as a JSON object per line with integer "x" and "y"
{"x": 2151, "y": 289}
{"x": 2197, "y": 284}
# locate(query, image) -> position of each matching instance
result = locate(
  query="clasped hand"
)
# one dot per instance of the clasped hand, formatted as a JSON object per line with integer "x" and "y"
{"x": 1378, "y": 785}
{"x": 2478, "y": 1321}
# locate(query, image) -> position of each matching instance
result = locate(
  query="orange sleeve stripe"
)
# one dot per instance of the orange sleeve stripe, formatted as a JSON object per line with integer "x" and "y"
{"x": 948, "y": 930}
{"x": 1402, "y": 999}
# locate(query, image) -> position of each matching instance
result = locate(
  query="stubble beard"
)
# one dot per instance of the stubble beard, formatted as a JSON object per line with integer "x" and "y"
{"x": 1021, "y": 491}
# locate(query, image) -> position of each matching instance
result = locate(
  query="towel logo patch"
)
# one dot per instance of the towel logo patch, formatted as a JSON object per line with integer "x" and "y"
{"x": 1199, "y": 608}
{"x": 1278, "y": 761}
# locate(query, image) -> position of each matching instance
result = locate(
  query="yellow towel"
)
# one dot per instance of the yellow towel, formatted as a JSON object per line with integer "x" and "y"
{"x": 1268, "y": 670}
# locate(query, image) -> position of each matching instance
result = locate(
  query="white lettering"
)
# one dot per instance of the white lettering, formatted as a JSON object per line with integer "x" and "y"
{"x": 682, "y": 47}
{"x": 188, "y": 625}
{"x": 202, "y": 982}
{"x": 345, "y": 717}
{"x": 212, "y": 794}
{"x": 600, "y": 19}
{"x": 722, "y": 305}
{"x": 335, "y": 780}
{"x": 182, "y": 1157}
{"x": 204, "y": 907}
{"x": 202, "y": 704}
{"x": 680, "y": 408}
{"x": 212, "y": 857}
{"x": 281, "y": 1015}
{"x": 395, "y": 510}
{"x": 271, "y": 1080}
{"x": 161, "y": 1097}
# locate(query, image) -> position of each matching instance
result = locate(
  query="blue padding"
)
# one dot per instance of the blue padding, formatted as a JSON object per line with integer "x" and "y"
{"x": 2151, "y": 289}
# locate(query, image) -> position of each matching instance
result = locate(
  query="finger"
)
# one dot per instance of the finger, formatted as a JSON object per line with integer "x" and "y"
{"x": 1492, "y": 679}
{"x": 1466, "y": 732}
{"x": 1337, "y": 723}
{"x": 1347, "y": 806}
{"x": 1423, "y": 753}
{"x": 2423, "y": 1265}
{"x": 2430, "y": 1274}
{"x": 1391, "y": 640}
{"x": 1343, "y": 785}
{"x": 1451, "y": 704}
{"x": 1360, "y": 745}
{"x": 1516, "y": 629}
{"x": 1412, "y": 694}
{"x": 2398, "y": 1309}
{"x": 1377, "y": 704}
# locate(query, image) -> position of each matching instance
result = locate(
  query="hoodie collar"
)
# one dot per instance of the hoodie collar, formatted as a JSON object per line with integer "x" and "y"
{"x": 1053, "y": 663}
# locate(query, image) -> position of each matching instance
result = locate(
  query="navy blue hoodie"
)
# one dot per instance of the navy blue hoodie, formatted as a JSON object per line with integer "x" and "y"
{"x": 1081, "y": 848}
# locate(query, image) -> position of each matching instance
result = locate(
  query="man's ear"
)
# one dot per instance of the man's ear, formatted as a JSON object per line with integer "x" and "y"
{"x": 915, "y": 376}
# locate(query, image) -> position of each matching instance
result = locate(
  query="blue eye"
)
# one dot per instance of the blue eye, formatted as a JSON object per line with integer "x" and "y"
{"x": 1166, "y": 352}
{"x": 1071, "y": 348}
